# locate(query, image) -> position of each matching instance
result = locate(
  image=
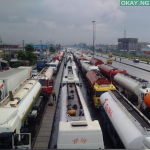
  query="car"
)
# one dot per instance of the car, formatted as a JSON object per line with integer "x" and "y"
{"x": 136, "y": 60}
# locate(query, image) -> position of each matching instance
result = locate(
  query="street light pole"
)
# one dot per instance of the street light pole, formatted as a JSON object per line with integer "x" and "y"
{"x": 93, "y": 37}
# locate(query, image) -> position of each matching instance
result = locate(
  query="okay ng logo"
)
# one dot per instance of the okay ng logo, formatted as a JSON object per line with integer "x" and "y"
{"x": 134, "y": 2}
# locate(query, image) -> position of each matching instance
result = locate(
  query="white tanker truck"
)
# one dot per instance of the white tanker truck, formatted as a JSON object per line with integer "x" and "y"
{"x": 86, "y": 66}
{"x": 19, "y": 113}
{"x": 76, "y": 128}
{"x": 124, "y": 121}
{"x": 134, "y": 89}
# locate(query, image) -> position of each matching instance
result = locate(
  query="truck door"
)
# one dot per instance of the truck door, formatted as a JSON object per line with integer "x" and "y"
{"x": 22, "y": 141}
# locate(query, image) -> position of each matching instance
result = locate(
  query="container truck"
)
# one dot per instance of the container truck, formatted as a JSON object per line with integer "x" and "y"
{"x": 127, "y": 126}
{"x": 11, "y": 79}
{"x": 19, "y": 115}
{"x": 97, "y": 84}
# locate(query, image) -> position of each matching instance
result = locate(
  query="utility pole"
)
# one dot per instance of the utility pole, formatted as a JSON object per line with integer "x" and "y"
{"x": 93, "y": 35}
{"x": 124, "y": 41}
{"x": 23, "y": 44}
{"x": 41, "y": 44}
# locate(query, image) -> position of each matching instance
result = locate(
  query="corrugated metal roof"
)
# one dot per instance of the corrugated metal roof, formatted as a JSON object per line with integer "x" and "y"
{"x": 9, "y": 73}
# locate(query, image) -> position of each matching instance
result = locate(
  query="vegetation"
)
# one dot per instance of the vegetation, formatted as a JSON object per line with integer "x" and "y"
{"x": 29, "y": 48}
{"x": 52, "y": 49}
{"x": 27, "y": 55}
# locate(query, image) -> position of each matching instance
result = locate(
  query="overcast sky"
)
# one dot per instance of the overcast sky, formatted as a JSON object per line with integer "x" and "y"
{"x": 70, "y": 21}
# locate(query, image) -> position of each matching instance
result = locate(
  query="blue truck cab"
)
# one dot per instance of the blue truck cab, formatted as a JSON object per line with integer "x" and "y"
{"x": 41, "y": 64}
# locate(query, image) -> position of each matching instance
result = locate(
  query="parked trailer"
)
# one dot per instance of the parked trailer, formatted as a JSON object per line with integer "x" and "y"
{"x": 130, "y": 124}
{"x": 76, "y": 128}
{"x": 110, "y": 71}
{"x": 45, "y": 77}
{"x": 11, "y": 79}
{"x": 17, "y": 114}
{"x": 95, "y": 61}
{"x": 97, "y": 84}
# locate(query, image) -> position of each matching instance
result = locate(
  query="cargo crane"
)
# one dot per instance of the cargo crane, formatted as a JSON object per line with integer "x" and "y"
{"x": 19, "y": 115}
{"x": 127, "y": 126}
{"x": 96, "y": 85}
{"x": 45, "y": 77}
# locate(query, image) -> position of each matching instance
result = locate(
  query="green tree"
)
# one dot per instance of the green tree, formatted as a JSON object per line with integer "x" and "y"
{"x": 22, "y": 55}
{"x": 31, "y": 57}
{"x": 29, "y": 48}
{"x": 52, "y": 49}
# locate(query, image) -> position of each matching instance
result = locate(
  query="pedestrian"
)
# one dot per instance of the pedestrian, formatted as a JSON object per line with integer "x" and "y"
{"x": 115, "y": 58}
{"x": 65, "y": 65}
{"x": 54, "y": 95}
{"x": 120, "y": 59}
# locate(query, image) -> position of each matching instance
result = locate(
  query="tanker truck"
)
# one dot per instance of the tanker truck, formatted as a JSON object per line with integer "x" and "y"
{"x": 135, "y": 89}
{"x": 19, "y": 115}
{"x": 96, "y": 85}
{"x": 86, "y": 66}
{"x": 11, "y": 79}
{"x": 45, "y": 77}
{"x": 77, "y": 130}
{"x": 127, "y": 126}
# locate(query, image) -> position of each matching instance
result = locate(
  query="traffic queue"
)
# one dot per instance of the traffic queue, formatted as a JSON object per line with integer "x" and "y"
{"x": 22, "y": 101}
{"x": 123, "y": 101}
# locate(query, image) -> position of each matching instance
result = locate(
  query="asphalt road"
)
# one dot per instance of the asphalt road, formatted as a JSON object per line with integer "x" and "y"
{"x": 130, "y": 70}
{"x": 125, "y": 60}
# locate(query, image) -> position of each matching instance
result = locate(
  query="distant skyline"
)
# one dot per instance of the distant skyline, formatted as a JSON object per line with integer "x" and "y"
{"x": 70, "y": 21}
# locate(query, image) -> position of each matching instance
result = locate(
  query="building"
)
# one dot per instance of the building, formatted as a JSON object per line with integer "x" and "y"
{"x": 9, "y": 50}
{"x": 143, "y": 46}
{"x": 128, "y": 44}
{"x": 113, "y": 47}
{"x": 82, "y": 45}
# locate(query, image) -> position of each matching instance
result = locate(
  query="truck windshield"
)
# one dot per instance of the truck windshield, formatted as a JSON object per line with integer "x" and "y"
{"x": 40, "y": 62}
{"x": 42, "y": 82}
{"x": 52, "y": 65}
{"x": 99, "y": 93}
{"x": 6, "y": 142}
